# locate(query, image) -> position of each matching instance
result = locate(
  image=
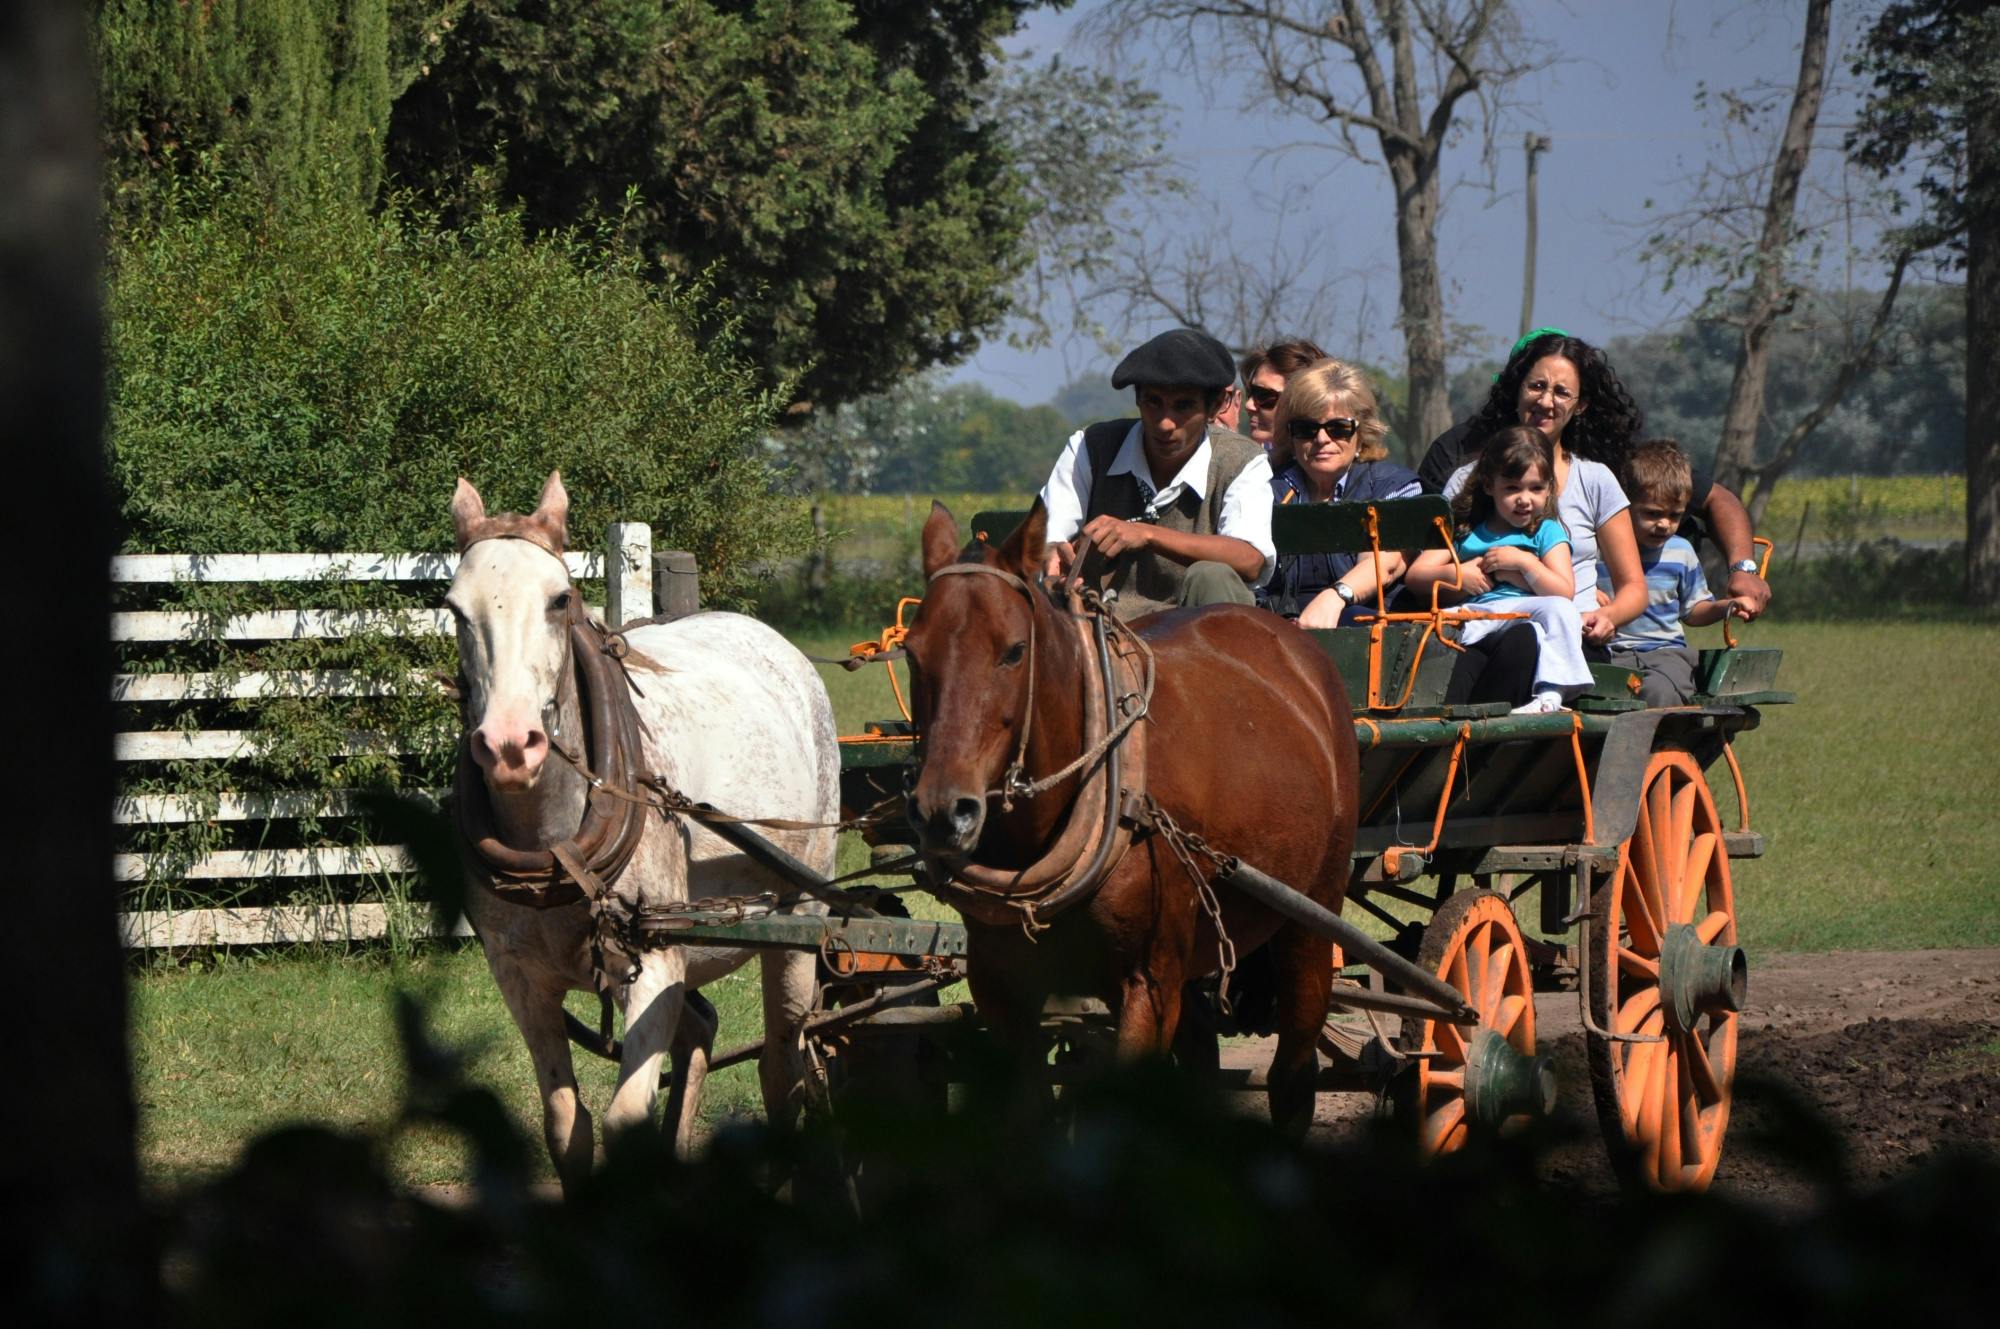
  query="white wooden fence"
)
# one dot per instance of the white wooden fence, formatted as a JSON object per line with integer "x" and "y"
{"x": 626, "y": 567}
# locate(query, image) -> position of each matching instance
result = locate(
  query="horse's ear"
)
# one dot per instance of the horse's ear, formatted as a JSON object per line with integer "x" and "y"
{"x": 552, "y": 511}
{"x": 940, "y": 539}
{"x": 1027, "y": 547}
{"x": 468, "y": 509}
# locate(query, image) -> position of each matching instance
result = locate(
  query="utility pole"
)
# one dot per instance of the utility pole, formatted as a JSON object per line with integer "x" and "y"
{"x": 1536, "y": 145}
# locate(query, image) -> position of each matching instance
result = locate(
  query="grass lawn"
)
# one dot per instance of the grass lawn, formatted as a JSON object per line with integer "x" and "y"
{"x": 223, "y": 1053}
{"x": 1876, "y": 793}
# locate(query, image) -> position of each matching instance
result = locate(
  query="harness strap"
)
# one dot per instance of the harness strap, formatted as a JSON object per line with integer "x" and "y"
{"x": 1096, "y": 833}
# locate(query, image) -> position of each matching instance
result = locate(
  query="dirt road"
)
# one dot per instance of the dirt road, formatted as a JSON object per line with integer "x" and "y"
{"x": 1898, "y": 1051}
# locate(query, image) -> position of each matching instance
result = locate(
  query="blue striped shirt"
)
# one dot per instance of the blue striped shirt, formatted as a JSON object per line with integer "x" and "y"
{"x": 1674, "y": 584}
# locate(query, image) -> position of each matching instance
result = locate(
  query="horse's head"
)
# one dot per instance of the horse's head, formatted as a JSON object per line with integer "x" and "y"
{"x": 970, "y": 675}
{"x": 513, "y": 602}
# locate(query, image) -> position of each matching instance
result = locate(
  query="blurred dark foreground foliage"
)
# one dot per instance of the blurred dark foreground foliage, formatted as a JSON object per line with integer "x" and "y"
{"x": 1149, "y": 1200}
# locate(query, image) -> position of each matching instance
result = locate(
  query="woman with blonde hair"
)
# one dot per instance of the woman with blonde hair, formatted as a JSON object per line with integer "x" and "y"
{"x": 1329, "y": 446}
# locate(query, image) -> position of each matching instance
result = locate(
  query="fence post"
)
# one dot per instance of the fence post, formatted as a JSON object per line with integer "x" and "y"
{"x": 628, "y": 572}
{"x": 676, "y": 582}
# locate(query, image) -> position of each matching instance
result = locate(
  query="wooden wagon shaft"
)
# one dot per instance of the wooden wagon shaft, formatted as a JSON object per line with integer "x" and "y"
{"x": 1282, "y": 899}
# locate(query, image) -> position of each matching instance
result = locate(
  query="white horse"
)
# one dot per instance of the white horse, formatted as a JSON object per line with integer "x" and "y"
{"x": 729, "y": 714}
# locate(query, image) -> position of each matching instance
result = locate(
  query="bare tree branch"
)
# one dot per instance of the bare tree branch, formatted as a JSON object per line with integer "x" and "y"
{"x": 1404, "y": 73}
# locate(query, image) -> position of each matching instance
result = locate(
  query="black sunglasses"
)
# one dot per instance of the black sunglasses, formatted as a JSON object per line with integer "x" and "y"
{"x": 1263, "y": 398}
{"x": 1339, "y": 427}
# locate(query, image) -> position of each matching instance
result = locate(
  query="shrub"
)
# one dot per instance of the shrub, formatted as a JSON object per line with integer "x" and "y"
{"x": 306, "y": 375}
{"x": 290, "y": 371}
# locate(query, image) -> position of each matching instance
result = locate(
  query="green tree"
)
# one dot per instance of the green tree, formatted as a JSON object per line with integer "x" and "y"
{"x": 822, "y": 162}
{"x": 316, "y": 376}
{"x": 269, "y": 89}
{"x": 1932, "y": 121}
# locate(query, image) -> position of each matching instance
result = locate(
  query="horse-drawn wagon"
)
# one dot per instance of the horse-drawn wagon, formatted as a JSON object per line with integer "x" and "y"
{"x": 1596, "y": 825}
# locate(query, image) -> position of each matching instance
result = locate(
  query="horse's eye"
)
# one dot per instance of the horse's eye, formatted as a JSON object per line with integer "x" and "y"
{"x": 559, "y": 603}
{"x": 1015, "y": 654}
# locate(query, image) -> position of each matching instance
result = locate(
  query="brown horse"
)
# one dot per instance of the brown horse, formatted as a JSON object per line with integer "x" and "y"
{"x": 1248, "y": 741}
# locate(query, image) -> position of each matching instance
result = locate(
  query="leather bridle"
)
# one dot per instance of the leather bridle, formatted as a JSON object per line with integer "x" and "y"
{"x": 586, "y": 865}
{"x": 1097, "y": 830}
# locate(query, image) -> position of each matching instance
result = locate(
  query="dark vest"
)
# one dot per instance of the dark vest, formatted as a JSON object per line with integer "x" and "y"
{"x": 1146, "y": 581}
{"x": 1299, "y": 577}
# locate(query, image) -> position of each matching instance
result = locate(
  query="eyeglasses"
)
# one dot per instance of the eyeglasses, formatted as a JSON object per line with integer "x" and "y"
{"x": 1262, "y": 398}
{"x": 1339, "y": 427}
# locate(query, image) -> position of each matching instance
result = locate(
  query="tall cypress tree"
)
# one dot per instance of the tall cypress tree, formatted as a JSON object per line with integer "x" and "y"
{"x": 260, "y": 90}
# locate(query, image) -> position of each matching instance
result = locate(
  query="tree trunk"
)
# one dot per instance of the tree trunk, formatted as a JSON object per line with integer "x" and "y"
{"x": 1422, "y": 295}
{"x": 1769, "y": 293}
{"x": 1982, "y": 357}
{"x": 70, "y": 1177}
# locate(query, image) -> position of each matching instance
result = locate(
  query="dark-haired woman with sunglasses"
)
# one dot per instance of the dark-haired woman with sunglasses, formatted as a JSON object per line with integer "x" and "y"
{"x": 1330, "y": 436}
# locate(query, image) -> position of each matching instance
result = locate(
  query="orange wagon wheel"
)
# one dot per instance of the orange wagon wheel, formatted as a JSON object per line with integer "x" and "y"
{"x": 1665, "y": 965}
{"x": 1486, "y": 1076}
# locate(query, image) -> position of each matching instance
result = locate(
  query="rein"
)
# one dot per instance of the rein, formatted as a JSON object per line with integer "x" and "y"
{"x": 1098, "y": 829}
{"x": 588, "y": 864}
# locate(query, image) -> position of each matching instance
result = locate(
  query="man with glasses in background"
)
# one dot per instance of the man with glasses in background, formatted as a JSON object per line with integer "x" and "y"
{"x": 1265, "y": 372}
{"x": 1174, "y": 507}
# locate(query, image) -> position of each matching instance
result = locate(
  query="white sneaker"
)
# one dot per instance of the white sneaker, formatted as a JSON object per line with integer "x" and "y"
{"x": 1542, "y": 703}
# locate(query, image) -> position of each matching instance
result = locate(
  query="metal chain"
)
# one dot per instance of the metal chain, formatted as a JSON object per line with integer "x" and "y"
{"x": 1186, "y": 846}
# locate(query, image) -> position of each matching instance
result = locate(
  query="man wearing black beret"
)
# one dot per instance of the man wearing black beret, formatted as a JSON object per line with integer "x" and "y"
{"x": 1175, "y": 506}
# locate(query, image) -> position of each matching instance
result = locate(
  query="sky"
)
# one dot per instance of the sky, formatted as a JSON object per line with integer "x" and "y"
{"x": 1619, "y": 106}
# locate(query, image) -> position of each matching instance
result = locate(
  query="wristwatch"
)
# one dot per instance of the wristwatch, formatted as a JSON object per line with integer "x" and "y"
{"x": 1744, "y": 565}
{"x": 1344, "y": 591}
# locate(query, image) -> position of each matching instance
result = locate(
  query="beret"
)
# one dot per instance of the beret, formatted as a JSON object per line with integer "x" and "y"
{"x": 1182, "y": 356}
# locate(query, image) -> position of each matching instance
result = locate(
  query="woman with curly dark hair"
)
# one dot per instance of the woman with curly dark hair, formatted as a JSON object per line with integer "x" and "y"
{"x": 1600, "y": 424}
{"x": 1560, "y": 387}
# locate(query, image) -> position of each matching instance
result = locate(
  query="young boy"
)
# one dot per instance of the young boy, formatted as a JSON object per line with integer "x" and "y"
{"x": 1657, "y": 480}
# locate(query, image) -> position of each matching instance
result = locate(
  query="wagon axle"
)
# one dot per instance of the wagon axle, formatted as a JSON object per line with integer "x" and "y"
{"x": 1501, "y": 1082}
{"x": 1700, "y": 980}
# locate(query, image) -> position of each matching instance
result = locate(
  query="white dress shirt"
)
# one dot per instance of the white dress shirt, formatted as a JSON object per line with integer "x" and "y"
{"x": 1246, "y": 504}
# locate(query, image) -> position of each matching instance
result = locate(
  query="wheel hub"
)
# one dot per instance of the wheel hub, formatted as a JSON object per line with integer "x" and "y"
{"x": 1697, "y": 979}
{"x": 1501, "y": 1082}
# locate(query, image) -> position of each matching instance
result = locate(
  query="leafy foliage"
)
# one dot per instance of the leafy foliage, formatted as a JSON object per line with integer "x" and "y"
{"x": 823, "y": 162}
{"x": 272, "y": 88}
{"x": 1090, "y": 150}
{"x": 308, "y": 374}
{"x": 923, "y": 437}
{"x": 316, "y": 377}
{"x": 1931, "y": 66}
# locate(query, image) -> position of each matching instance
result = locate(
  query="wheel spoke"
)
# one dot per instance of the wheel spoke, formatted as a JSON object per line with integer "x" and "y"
{"x": 1651, "y": 1094}
{"x": 1637, "y": 1008}
{"x": 1452, "y": 1079}
{"x": 1679, "y": 836}
{"x": 1442, "y": 1128}
{"x": 1638, "y": 1068}
{"x": 1670, "y": 1116}
{"x": 1631, "y": 962}
{"x": 1476, "y": 964}
{"x": 1512, "y": 1008}
{"x": 1694, "y": 1148}
{"x": 1450, "y": 1042}
{"x": 1701, "y": 856}
{"x": 1712, "y": 927}
{"x": 1658, "y": 819}
{"x": 1499, "y": 966}
{"x": 1640, "y": 920}
{"x": 1701, "y": 1073}
{"x": 1456, "y": 975}
{"x": 1645, "y": 858}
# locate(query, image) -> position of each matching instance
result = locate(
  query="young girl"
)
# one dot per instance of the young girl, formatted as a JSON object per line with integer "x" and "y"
{"x": 1515, "y": 557}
